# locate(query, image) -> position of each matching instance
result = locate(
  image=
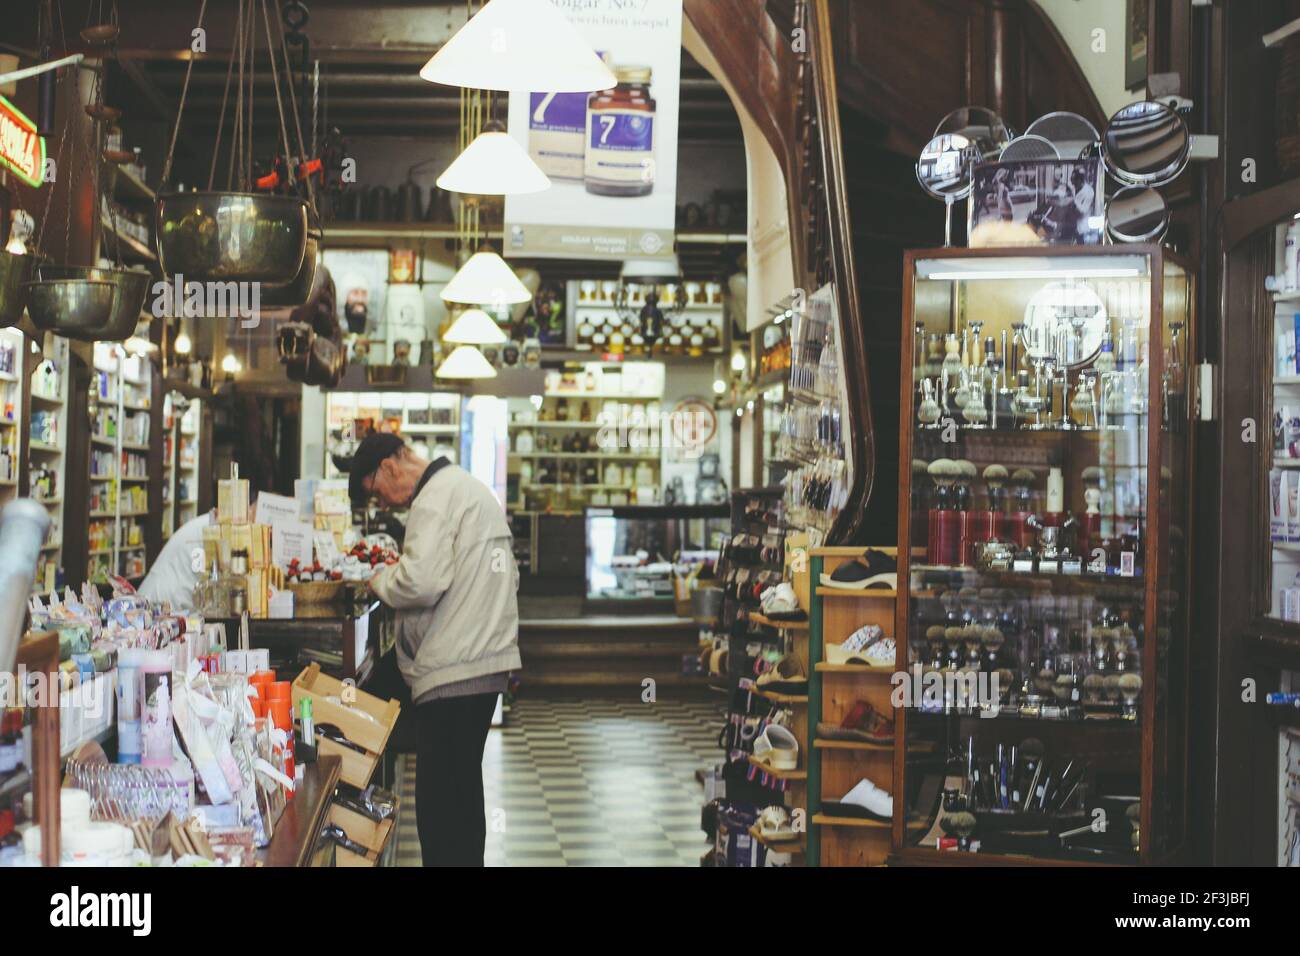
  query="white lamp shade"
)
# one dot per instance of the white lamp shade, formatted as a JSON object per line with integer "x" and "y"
{"x": 519, "y": 46}
{"x": 474, "y": 327}
{"x": 493, "y": 165}
{"x": 465, "y": 361}
{"x": 651, "y": 270}
{"x": 485, "y": 280}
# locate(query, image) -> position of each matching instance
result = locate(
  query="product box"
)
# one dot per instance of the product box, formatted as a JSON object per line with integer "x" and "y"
{"x": 232, "y": 501}
{"x": 1277, "y": 516}
{"x": 557, "y": 133}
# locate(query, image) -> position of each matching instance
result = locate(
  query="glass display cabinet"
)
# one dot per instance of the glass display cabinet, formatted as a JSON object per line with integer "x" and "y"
{"x": 631, "y": 551}
{"x": 1043, "y": 536}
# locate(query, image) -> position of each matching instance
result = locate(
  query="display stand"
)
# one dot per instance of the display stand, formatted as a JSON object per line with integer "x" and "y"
{"x": 836, "y": 765}
{"x": 46, "y": 453}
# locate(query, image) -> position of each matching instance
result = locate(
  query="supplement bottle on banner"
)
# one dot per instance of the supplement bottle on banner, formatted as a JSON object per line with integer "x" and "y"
{"x": 621, "y": 136}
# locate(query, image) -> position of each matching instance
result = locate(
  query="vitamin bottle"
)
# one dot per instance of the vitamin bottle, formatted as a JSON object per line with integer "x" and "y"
{"x": 620, "y": 136}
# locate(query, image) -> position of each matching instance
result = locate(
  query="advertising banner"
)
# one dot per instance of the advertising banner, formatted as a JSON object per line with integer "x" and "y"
{"x": 611, "y": 155}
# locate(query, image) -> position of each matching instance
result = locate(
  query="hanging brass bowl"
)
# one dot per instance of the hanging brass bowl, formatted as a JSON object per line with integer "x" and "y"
{"x": 242, "y": 237}
{"x": 15, "y": 271}
{"x": 106, "y": 114}
{"x": 101, "y": 33}
{"x": 133, "y": 288}
{"x": 297, "y": 291}
{"x": 79, "y": 308}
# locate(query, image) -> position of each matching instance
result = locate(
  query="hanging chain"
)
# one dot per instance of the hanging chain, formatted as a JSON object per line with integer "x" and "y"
{"x": 180, "y": 109}
{"x": 225, "y": 98}
{"x": 293, "y": 108}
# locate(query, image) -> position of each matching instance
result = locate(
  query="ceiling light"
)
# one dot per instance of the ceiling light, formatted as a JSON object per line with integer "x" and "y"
{"x": 231, "y": 364}
{"x": 138, "y": 345}
{"x": 738, "y": 362}
{"x": 474, "y": 327}
{"x": 465, "y": 361}
{"x": 719, "y": 386}
{"x": 519, "y": 46}
{"x": 182, "y": 345}
{"x": 494, "y": 164}
{"x": 485, "y": 280}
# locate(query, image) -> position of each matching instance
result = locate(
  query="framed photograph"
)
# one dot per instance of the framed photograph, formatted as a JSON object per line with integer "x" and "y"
{"x": 1135, "y": 43}
{"x": 1026, "y": 202}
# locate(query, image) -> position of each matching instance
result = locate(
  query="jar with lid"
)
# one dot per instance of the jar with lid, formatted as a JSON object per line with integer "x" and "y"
{"x": 620, "y": 136}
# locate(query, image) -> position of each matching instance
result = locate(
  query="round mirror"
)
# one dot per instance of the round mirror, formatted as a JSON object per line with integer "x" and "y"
{"x": 1070, "y": 133}
{"x": 982, "y": 128}
{"x": 1028, "y": 148}
{"x": 1146, "y": 144}
{"x": 1065, "y": 321}
{"x": 1137, "y": 214}
{"x": 945, "y": 166}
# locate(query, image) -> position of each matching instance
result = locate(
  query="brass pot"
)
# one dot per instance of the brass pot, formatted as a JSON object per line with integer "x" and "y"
{"x": 133, "y": 285}
{"x": 15, "y": 271}
{"x": 78, "y": 308}
{"x": 241, "y": 237}
{"x": 297, "y": 292}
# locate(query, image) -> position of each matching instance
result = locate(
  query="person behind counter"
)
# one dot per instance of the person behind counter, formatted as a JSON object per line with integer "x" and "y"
{"x": 179, "y": 567}
{"x": 454, "y": 589}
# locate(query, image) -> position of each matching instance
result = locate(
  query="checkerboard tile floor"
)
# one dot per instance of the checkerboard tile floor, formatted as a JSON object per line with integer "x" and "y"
{"x": 589, "y": 783}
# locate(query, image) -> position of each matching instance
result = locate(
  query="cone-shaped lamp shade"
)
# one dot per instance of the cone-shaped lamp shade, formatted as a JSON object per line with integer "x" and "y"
{"x": 519, "y": 46}
{"x": 485, "y": 280}
{"x": 493, "y": 165}
{"x": 465, "y": 361}
{"x": 474, "y": 327}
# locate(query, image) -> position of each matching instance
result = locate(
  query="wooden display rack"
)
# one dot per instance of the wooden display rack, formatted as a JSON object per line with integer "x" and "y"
{"x": 834, "y": 766}
{"x": 39, "y": 652}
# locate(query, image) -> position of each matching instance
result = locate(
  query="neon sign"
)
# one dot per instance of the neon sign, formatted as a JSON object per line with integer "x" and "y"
{"x": 22, "y": 149}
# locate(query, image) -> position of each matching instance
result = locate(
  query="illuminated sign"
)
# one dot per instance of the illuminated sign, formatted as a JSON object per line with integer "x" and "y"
{"x": 21, "y": 148}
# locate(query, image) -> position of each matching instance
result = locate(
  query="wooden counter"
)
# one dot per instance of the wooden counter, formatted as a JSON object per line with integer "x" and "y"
{"x": 297, "y": 833}
{"x": 610, "y": 653}
{"x": 344, "y": 639}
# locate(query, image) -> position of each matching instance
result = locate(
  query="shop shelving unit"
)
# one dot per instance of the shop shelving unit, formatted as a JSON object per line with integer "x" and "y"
{"x": 546, "y": 477}
{"x": 697, "y": 329}
{"x": 11, "y": 411}
{"x": 1064, "y": 638}
{"x": 835, "y": 766}
{"x": 118, "y": 471}
{"x": 428, "y": 419}
{"x": 182, "y": 460}
{"x": 46, "y": 453}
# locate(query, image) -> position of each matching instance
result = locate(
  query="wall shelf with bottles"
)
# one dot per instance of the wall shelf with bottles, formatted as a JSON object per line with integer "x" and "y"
{"x": 696, "y": 328}
{"x": 120, "y": 432}
{"x": 11, "y": 410}
{"x": 1045, "y": 498}
{"x": 46, "y": 461}
{"x": 429, "y": 421}
{"x": 593, "y": 437}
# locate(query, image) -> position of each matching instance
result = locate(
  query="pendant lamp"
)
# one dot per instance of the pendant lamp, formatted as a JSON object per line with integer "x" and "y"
{"x": 485, "y": 280}
{"x": 494, "y": 165}
{"x": 474, "y": 327}
{"x": 465, "y": 361}
{"x": 519, "y": 46}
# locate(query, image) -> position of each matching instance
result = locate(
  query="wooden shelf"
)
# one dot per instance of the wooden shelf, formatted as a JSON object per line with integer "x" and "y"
{"x": 586, "y": 455}
{"x": 779, "y": 698}
{"x": 794, "y": 845}
{"x": 830, "y": 744}
{"x": 864, "y": 593}
{"x": 825, "y": 820}
{"x": 129, "y": 244}
{"x": 778, "y": 774}
{"x": 42, "y": 447}
{"x": 852, "y": 669}
{"x": 46, "y": 399}
{"x": 784, "y": 625}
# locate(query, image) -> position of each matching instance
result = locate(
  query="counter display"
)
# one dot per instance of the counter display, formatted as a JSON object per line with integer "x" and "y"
{"x": 634, "y": 553}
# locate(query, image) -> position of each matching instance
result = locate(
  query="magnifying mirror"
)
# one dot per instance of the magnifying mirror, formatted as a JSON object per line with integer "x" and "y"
{"x": 944, "y": 171}
{"x": 1146, "y": 144}
{"x": 982, "y": 128}
{"x": 1028, "y": 148}
{"x": 1066, "y": 322}
{"x": 1070, "y": 133}
{"x": 1137, "y": 214}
